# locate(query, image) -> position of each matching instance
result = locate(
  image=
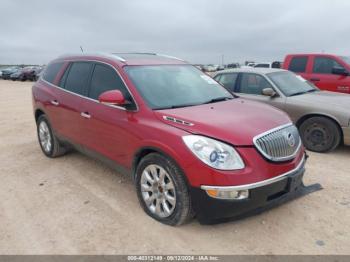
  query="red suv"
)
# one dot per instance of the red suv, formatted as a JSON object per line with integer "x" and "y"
{"x": 191, "y": 147}
{"x": 327, "y": 72}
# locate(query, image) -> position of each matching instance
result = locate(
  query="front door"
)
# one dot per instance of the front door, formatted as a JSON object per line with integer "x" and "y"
{"x": 324, "y": 78}
{"x": 109, "y": 130}
{"x": 251, "y": 85}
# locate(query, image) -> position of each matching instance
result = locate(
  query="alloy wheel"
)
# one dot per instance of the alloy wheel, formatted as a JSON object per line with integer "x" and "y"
{"x": 45, "y": 137}
{"x": 158, "y": 191}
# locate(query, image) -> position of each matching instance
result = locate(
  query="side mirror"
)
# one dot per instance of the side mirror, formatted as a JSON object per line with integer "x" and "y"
{"x": 112, "y": 97}
{"x": 269, "y": 92}
{"x": 339, "y": 71}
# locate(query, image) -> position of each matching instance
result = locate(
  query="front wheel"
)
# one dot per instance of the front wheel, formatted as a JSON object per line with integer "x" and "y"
{"x": 162, "y": 190}
{"x": 49, "y": 144}
{"x": 320, "y": 134}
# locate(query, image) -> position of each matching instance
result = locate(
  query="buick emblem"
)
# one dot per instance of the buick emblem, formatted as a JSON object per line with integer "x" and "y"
{"x": 290, "y": 139}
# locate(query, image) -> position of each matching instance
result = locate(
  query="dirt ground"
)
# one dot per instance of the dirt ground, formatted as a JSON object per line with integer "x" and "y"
{"x": 76, "y": 205}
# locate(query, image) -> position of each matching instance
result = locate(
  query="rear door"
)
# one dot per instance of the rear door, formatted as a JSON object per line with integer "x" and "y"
{"x": 70, "y": 96}
{"x": 251, "y": 85}
{"x": 48, "y": 95}
{"x": 323, "y": 76}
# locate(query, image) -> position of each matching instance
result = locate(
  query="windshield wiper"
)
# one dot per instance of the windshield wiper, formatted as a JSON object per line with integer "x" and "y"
{"x": 312, "y": 90}
{"x": 298, "y": 93}
{"x": 218, "y": 99}
{"x": 175, "y": 106}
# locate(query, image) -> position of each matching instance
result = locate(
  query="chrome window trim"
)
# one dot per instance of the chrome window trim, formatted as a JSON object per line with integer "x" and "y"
{"x": 276, "y": 159}
{"x": 258, "y": 184}
{"x": 96, "y": 61}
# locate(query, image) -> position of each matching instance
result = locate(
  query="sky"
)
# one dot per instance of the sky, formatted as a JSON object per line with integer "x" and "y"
{"x": 199, "y": 31}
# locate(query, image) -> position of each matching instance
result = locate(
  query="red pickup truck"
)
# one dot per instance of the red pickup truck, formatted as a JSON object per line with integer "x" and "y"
{"x": 327, "y": 72}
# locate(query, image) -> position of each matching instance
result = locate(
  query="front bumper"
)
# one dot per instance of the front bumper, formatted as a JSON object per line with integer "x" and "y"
{"x": 262, "y": 196}
{"x": 346, "y": 134}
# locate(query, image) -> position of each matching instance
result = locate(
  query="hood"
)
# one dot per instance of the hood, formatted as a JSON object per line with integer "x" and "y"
{"x": 235, "y": 121}
{"x": 323, "y": 99}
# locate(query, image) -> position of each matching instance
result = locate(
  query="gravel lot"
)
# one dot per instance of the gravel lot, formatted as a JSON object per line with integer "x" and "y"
{"x": 75, "y": 205}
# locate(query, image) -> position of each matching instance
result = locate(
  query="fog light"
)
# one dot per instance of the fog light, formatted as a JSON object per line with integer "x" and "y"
{"x": 228, "y": 194}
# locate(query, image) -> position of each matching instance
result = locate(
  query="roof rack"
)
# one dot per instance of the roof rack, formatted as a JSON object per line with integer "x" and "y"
{"x": 169, "y": 56}
{"x": 147, "y": 53}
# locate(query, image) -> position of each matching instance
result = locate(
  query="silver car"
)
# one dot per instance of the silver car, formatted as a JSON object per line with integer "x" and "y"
{"x": 323, "y": 117}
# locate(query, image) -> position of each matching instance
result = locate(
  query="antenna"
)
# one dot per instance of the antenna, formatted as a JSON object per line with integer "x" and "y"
{"x": 81, "y": 48}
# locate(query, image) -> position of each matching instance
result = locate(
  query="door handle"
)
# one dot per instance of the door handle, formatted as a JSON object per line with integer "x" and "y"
{"x": 54, "y": 102}
{"x": 314, "y": 79}
{"x": 85, "y": 115}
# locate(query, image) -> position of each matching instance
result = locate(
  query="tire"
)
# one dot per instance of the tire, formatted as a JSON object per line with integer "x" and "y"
{"x": 320, "y": 134}
{"x": 52, "y": 148}
{"x": 180, "y": 210}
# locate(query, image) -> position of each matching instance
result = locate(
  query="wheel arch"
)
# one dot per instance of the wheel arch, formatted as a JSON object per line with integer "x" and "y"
{"x": 146, "y": 150}
{"x": 38, "y": 112}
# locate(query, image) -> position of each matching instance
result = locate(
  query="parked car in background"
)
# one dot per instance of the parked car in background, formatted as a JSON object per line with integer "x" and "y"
{"x": 37, "y": 73}
{"x": 209, "y": 68}
{"x": 275, "y": 64}
{"x": 6, "y": 73}
{"x": 17, "y": 75}
{"x": 326, "y": 71}
{"x": 189, "y": 144}
{"x": 233, "y": 65}
{"x": 322, "y": 117}
{"x": 28, "y": 73}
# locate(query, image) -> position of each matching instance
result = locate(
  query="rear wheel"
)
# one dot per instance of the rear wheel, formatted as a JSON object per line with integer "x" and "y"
{"x": 162, "y": 190}
{"x": 49, "y": 143}
{"x": 320, "y": 134}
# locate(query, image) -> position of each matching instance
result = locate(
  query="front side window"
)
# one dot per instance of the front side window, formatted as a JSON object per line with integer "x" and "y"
{"x": 105, "y": 78}
{"x": 228, "y": 80}
{"x": 298, "y": 64}
{"x": 51, "y": 72}
{"x": 172, "y": 86}
{"x": 77, "y": 78}
{"x": 291, "y": 84}
{"x": 253, "y": 84}
{"x": 325, "y": 65}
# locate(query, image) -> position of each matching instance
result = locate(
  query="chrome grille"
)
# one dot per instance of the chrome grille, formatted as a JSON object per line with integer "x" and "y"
{"x": 279, "y": 144}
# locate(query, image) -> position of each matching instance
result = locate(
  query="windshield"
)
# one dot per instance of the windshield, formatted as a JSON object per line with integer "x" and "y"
{"x": 346, "y": 59}
{"x": 171, "y": 86}
{"x": 291, "y": 84}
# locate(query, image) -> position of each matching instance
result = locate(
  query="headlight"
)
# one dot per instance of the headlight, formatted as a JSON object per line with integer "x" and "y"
{"x": 214, "y": 153}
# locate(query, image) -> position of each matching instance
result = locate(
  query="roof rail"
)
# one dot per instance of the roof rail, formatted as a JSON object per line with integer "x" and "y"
{"x": 117, "y": 57}
{"x": 169, "y": 56}
{"x": 149, "y": 53}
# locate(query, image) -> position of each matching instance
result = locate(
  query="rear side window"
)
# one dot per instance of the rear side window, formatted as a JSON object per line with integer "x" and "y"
{"x": 77, "y": 78}
{"x": 105, "y": 78}
{"x": 298, "y": 64}
{"x": 228, "y": 80}
{"x": 51, "y": 72}
{"x": 325, "y": 65}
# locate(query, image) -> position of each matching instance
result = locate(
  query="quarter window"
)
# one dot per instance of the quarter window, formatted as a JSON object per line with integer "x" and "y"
{"x": 325, "y": 65}
{"x": 228, "y": 81}
{"x": 104, "y": 78}
{"x": 298, "y": 64}
{"x": 77, "y": 78}
{"x": 253, "y": 84}
{"x": 51, "y": 72}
